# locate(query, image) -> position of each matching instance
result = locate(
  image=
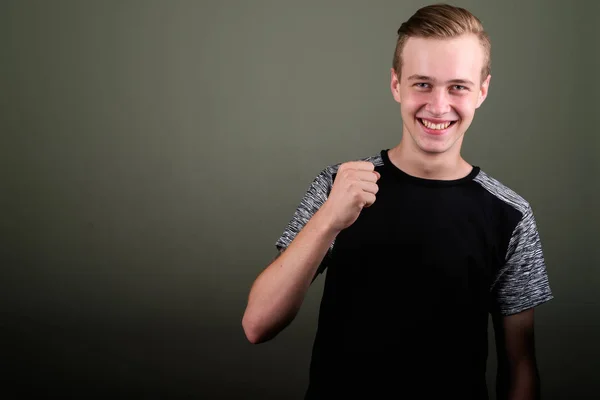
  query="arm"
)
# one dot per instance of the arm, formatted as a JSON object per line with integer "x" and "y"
{"x": 517, "y": 376}
{"x": 326, "y": 209}
{"x": 521, "y": 286}
{"x": 278, "y": 292}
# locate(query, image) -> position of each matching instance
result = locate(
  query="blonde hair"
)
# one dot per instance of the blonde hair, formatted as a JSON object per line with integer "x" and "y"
{"x": 442, "y": 21}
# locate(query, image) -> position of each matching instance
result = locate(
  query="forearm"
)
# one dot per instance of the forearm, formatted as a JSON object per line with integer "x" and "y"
{"x": 278, "y": 293}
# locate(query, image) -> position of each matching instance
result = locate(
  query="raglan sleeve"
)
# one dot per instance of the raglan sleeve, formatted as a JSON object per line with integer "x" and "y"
{"x": 523, "y": 281}
{"x": 314, "y": 197}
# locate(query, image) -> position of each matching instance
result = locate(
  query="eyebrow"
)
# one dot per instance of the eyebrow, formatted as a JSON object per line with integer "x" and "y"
{"x": 430, "y": 79}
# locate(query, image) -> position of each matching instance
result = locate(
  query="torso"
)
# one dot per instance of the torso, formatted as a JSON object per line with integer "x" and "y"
{"x": 408, "y": 286}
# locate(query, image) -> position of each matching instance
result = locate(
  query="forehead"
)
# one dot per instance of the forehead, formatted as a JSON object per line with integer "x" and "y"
{"x": 444, "y": 59}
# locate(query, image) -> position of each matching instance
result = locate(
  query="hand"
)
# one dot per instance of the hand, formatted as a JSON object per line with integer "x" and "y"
{"x": 354, "y": 188}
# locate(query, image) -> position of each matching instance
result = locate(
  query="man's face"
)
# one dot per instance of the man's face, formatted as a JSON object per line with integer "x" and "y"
{"x": 439, "y": 90}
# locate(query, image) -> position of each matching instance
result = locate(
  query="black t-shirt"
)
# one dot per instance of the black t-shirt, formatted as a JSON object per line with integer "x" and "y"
{"x": 409, "y": 286}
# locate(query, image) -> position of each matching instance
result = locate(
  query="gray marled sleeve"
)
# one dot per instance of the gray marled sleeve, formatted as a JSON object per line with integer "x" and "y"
{"x": 313, "y": 199}
{"x": 523, "y": 282}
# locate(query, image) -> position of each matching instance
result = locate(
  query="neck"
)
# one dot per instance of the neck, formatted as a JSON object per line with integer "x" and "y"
{"x": 442, "y": 166}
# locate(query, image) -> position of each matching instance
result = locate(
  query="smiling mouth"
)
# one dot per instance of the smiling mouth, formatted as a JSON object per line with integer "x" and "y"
{"x": 436, "y": 126}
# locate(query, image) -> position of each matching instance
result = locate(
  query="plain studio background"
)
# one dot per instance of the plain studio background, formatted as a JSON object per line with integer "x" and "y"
{"x": 153, "y": 151}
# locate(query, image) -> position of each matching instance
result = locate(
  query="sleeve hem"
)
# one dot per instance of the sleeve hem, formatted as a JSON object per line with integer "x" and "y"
{"x": 507, "y": 311}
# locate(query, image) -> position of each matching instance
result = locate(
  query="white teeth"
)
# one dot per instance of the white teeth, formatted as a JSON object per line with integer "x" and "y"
{"x": 435, "y": 126}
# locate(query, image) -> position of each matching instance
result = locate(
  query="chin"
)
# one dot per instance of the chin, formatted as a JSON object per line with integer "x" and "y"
{"x": 440, "y": 144}
{"x": 435, "y": 146}
{"x": 434, "y": 149}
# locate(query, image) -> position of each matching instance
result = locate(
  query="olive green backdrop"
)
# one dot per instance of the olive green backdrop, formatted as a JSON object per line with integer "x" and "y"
{"x": 153, "y": 151}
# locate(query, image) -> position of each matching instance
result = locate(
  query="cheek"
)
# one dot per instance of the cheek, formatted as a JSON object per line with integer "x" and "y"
{"x": 413, "y": 102}
{"x": 465, "y": 106}
{"x": 416, "y": 98}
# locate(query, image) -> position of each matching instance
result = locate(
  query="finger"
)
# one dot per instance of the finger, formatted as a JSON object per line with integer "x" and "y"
{"x": 365, "y": 165}
{"x": 369, "y": 187}
{"x": 369, "y": 199}
{"x": 366, "y": 176}
{"x": 359, "y": 165}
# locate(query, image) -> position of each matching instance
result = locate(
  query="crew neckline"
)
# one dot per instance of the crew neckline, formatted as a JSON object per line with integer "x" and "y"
{"x": 398, "y": 173}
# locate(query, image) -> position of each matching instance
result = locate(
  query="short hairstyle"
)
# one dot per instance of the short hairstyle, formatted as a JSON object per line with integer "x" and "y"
{"x": 442, "y": 21}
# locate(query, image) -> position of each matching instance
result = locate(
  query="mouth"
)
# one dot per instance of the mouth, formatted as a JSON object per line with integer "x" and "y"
{"x": 435, "y": 127}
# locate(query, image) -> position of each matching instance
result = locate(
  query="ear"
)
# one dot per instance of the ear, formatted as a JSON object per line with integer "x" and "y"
{"x": 483, "y": 91}
{"x": 395, "y": 85}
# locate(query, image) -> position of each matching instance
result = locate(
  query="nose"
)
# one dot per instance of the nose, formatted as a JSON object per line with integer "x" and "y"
{"x": 438, "y": 102}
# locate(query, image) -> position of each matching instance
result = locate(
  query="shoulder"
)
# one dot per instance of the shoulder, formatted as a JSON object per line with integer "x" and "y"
{"x": 502, "y": 192}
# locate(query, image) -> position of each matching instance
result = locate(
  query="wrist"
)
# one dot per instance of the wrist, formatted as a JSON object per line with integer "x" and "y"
{"x": 325, "y": 224}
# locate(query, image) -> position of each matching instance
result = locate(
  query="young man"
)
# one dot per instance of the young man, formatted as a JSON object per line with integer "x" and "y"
{"x": 420, "y": 247}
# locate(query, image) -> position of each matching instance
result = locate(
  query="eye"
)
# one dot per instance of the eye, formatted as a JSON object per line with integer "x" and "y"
{"x": 422, "y": 85}
{"x": 459, "y": 88}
